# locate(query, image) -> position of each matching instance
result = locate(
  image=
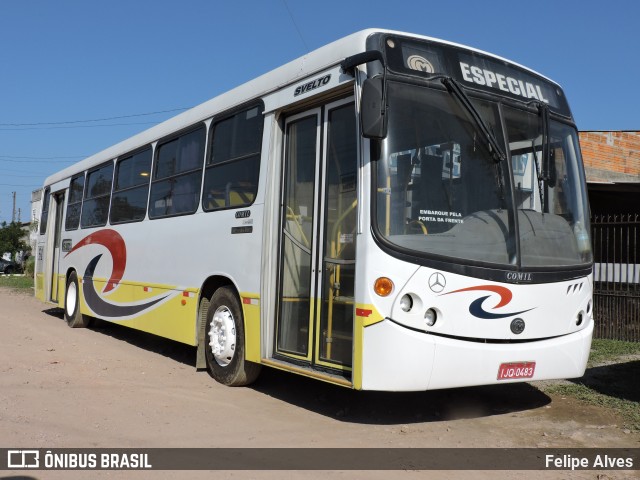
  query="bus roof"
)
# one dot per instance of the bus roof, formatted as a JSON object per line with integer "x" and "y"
{"x": 314, "y": 61}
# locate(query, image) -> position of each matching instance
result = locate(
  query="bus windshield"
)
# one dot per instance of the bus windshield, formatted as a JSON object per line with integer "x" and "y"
{"x": 441, "y": 192}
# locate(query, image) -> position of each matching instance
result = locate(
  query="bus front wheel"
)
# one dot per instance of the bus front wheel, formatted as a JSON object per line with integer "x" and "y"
{"x": 224, "y": 341}
{"x": 72, "y": 314}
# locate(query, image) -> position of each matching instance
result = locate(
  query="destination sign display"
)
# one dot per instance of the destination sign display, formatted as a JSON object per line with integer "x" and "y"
{"x": 473, "y": 70}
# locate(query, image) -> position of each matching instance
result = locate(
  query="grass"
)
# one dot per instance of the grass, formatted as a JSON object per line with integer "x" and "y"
{"x": 19, "y": 282}
{"x": 606, "y": 351}
{"x": 627, "y": 409}
{"x": 611, "y": 380}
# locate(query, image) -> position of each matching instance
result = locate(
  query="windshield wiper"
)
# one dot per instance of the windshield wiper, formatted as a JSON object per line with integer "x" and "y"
{"x": 543, "y": 173}
{"x": 492, "y": 143}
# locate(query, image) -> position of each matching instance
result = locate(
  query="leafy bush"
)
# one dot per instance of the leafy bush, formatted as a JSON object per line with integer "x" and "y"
{"x": 11, "y": 238}
{"x": 30, "y": 267}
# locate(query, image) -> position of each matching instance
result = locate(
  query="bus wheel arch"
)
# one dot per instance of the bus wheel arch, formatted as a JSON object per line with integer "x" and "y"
{"x": 222, "y": 336}
{"x": 72, "y": 310}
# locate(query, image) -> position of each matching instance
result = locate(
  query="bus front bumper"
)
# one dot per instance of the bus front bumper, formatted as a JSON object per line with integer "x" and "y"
{"x": 396, "y": 358}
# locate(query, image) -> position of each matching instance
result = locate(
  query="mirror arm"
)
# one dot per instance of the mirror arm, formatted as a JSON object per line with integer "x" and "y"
{"x": 350, "y": 63}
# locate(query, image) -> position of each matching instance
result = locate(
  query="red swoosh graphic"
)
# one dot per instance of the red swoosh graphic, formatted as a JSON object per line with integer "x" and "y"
{"x": 505, "y": 293}
{"x": 118, "y": 250}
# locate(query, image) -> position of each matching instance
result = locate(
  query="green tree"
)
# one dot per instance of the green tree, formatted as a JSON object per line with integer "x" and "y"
{"x": 11, "y": 235}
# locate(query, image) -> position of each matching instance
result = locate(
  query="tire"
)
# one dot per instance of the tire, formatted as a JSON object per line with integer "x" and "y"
{"x": 72, "y": 304}
{"x": 224, "y": 341}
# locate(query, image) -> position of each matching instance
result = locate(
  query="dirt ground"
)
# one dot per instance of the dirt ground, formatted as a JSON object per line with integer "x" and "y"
{"x": 112, "y": 387}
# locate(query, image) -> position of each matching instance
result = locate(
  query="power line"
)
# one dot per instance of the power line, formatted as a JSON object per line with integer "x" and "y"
{"x": 21, "y": 176}
{"x": 67, "y": 122}
{"x": 16, "y": 185}
{"x": 10, "y": 160}
{"x": 296, "y": 25}
{"x": 41, "y": 158}
{"x": 15, "y": 129}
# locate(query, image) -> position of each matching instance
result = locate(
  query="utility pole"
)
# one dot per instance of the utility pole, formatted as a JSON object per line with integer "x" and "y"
{"x": 13, "y": 214}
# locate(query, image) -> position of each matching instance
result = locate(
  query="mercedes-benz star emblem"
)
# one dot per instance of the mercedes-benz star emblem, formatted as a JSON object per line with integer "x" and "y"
{"x": 437, "y": 282}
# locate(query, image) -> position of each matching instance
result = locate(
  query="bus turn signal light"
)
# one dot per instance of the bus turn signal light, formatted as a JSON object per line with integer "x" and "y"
{"x": 383, "y": 286}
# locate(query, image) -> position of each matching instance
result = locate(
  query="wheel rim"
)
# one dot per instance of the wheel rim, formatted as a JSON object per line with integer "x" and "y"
{"x": 72, "y": 296}
{"x": 222, "y": 336}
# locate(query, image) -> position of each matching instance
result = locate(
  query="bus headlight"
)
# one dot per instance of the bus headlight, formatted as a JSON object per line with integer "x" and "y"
{"x": 406, "y": 303}
{"x": 430, "y": 317}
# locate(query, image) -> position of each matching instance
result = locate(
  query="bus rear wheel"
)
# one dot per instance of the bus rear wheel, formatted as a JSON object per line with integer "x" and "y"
{"x": 224, "y": 341}
{"x": 72, "y": 314}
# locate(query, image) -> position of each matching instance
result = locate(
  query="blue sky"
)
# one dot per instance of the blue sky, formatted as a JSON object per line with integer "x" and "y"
{"x": 75, "y": 60}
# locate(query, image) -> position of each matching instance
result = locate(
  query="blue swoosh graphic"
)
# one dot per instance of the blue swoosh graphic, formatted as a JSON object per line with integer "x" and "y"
{"x": 476, "y": 310}
{"x": 106, "y": 309}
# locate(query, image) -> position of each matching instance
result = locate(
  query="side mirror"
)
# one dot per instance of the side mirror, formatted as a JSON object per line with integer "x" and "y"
{"x": 373, "y": 112}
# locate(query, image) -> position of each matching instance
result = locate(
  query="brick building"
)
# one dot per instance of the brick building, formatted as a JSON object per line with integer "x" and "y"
{"x": 612, "y": 163}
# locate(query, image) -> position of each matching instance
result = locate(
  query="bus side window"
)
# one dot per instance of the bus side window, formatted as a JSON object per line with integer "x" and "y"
{"x": 175, "y": 189}
{"x": 44, "y": 215}
{"x": 72, "y": 221}
{"x": 231, "y": 177}
{"x": 131, "y": 188}
{"x": 97, "y": 195}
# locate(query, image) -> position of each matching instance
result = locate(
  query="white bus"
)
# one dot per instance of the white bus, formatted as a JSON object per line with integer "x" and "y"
{"x": 388, "y": 212}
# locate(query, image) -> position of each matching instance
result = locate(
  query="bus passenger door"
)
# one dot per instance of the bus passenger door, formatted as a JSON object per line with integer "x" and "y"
{"x": 57, "y": 203}
{"x": 317, "y": 239}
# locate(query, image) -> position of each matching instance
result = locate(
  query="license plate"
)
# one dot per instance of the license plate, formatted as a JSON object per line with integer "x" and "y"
{"x": 514, "y": 370}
